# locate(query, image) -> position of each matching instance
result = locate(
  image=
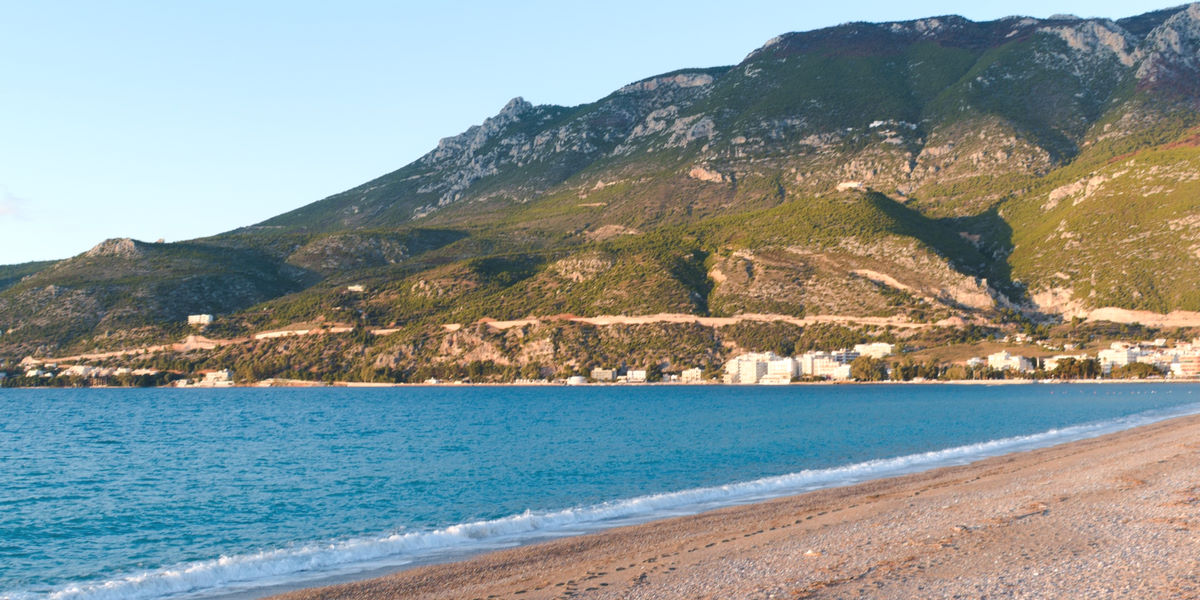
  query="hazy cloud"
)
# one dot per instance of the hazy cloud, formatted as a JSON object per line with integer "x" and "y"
{"x": 11, "y": 206}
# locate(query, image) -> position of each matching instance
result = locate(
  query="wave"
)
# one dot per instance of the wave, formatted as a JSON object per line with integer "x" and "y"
{"x": 318, "y": 561}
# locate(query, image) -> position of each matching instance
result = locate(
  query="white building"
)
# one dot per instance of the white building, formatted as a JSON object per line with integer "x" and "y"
{"x": 1159, "y": 360}
{"x": 1186, "y": 365}
{"x": 840, "y": 373}
{"x": 780, "y": 371}
{"x": 356, "y": 288}
{"x": 200, "y": 320}
{"x": 875, "y": 349}
{"x": 1117, "y": 356}
{"x": 783, "y": 366}
{"x": 976, "y": 361}
{"x": 824, "y": 365}
{"x": 694, "y": 375}
{"x": 218, "y": 378}
{"x": 599, "y": 374}
{"x": 576, "y": 380}
{"x": 750, "y": 371}
{"x": 748, "y": 368}
{"x": 78, "y": 371}
{"x": 636, "y": 376}
{"x": 805, "y": 361}
{"x": 1003, "y": 361}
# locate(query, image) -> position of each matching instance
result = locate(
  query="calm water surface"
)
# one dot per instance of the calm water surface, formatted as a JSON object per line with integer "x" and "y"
{"x": 169, "y": 493}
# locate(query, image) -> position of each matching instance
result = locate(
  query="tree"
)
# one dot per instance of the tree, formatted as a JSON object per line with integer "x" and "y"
{"x": 1136, "y": 370}
{"x": 865, "y": 368}
{"x": 532, "y": 370}
{"x": 956, "y": 373}
{"x": 1071, "y": 368}
{"x": 654, "y": 372}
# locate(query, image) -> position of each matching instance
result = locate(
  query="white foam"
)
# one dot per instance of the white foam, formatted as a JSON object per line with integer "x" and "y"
{"x": 311, "y": 561}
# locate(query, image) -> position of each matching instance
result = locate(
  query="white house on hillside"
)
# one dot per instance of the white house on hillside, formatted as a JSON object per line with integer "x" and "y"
{"x": 875, "y": 349}
{"x": 200, "y": 319}
{"x": 1003, "y": 361}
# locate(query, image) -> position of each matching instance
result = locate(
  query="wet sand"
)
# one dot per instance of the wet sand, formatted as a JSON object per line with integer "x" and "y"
{"x": 1113, "y": 516}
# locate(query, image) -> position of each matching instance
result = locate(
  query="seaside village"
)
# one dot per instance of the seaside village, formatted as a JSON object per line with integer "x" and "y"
{"x": 1144, "y": 359}
{"x": 769, "y": 369}
{"x": 1179, "y": 361}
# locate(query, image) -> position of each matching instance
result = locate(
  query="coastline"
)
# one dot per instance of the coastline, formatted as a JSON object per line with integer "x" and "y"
{"x": 369, "y": 385}
{"x": 1098, "y": 513}
{"x": 451, "y": 384}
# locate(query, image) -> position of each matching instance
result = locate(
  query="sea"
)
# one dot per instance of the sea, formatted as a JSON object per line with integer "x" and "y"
{"x": 238, "y": 493}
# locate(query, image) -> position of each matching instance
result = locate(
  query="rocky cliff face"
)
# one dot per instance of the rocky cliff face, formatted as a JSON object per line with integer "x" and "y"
{"x": 1170, "y": 54}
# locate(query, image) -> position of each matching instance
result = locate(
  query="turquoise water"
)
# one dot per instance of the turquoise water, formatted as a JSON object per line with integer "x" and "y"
{"x": 192, "y": 493}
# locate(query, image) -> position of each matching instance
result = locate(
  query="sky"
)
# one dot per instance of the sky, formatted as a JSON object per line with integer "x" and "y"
{"x": 176, "y": 120}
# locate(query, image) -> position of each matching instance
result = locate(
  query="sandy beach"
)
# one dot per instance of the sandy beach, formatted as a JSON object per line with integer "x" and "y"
{"x": 1113, "y": 516}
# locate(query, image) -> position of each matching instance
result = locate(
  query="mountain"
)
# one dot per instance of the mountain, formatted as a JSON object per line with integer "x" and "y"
{"x": 929, "y": 171}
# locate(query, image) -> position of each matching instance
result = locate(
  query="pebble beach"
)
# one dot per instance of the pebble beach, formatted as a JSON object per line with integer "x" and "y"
{"x": 1112, "y": 516}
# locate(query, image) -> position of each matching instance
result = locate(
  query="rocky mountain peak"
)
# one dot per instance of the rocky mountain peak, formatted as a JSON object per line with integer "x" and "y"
{"x": 1172, "y": 50}
{"x": 118, "y": 247}
{"x": 928, "y": 28}
{"x": 1097, "y": 37}
{"x": 679, "y": 80}
{"x": 515, "y": 108}
{"x": 478, "y": 135}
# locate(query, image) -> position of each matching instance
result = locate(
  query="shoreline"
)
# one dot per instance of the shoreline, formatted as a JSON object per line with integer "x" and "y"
{"x": 370, "y": 386}
{"x": 881, "y": 535}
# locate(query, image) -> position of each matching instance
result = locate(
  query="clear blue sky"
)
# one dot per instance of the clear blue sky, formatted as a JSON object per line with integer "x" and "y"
{"x": 178, "y": 120}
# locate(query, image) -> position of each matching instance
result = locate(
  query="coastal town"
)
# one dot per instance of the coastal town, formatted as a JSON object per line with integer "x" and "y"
{"x": 1152, "y": 359}
{"x": 1158, "y": 359}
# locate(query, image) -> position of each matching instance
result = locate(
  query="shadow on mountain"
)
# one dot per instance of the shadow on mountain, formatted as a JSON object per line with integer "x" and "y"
{"x": 978, "y": 245}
